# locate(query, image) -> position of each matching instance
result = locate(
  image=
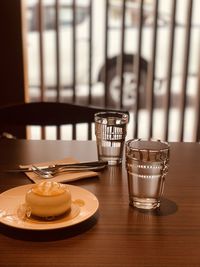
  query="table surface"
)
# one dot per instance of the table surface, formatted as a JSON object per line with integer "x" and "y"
{"x": 117, "y": 235}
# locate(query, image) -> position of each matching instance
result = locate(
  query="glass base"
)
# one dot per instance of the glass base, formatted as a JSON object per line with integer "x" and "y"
{"x": 111, "y": 161}
{"x": 144, "y": 203}
{"x": 114, "y": 162}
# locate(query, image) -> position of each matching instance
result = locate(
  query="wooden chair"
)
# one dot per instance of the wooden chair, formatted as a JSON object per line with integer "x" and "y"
{"x": 15, "y": 118}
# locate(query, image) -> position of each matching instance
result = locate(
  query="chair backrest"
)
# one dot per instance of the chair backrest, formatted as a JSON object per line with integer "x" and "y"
{"x": 14, "y": 118}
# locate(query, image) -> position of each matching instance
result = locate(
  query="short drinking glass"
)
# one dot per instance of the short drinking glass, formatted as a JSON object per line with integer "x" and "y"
{"x": 110, "y": 130}
{"x": 147, "y": 165}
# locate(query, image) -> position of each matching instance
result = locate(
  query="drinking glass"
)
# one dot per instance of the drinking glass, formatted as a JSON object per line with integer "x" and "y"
{"x": 110, "y": 130}
{"x": 147, "y": 166}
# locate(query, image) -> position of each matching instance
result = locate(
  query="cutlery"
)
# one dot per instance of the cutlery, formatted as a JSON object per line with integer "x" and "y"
{"x": 52, "y": 172}
{"x": 66, "y": 165}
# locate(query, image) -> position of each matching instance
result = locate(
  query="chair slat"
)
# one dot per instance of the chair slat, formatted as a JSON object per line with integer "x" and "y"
{"x": 48, "y": 114}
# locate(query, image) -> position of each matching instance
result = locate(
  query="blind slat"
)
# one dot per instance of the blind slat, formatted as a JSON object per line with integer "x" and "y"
{"x": 41, "y": 48}
{"x": 74, "y": 50}
{"x": 197, "y": 134}
{"x": 121, "y": 62}
{"x": 185, "y": 69}
{"x": 169, "y": 69}
{"x": 90, "y": 53}
{"x": 152, "y": 70}
{"x": 106, "y": 55}
{"x": 41, "y": 58}
{"x": 136, "y": 69}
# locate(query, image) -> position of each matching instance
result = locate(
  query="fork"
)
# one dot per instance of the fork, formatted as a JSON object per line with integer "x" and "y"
{"x": 52, "y": 172}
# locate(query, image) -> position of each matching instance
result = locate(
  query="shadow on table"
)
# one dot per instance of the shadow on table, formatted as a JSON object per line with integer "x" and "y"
{"x": 49, "y": 235}
{"x": 167, "y": 207}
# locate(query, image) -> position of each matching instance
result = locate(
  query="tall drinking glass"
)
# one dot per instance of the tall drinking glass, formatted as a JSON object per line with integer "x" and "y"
{"x": 110, "y": 130}
{"x": 147, "y": 165}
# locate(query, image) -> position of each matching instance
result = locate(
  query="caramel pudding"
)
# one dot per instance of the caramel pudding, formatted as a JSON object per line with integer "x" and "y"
{"x": 48, "y": 199}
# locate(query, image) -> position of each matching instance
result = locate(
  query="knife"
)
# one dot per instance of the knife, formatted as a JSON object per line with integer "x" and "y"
{"x": 78, "y": 164}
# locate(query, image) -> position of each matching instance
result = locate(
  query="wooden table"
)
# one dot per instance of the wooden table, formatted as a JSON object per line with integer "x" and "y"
{"x": 117, "y": 235}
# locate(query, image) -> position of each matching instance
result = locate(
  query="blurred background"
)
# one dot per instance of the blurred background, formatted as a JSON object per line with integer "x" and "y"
{"x": 138, "y": 55}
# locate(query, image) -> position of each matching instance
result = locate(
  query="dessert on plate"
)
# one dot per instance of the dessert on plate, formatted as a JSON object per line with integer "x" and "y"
{"x": 48, "y": 199}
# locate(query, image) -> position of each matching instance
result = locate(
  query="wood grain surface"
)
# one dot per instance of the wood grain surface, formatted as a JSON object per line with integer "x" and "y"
{"x": 117, "y": 235}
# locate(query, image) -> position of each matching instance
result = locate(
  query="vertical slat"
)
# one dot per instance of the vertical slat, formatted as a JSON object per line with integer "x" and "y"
{"x": 74, "y": 132}
{"x": 57, "y": 5}
{"x": 169, "y": 69}
{"x": 90, "y": 52}
{"x": 152, "y": 70}
{"x": 121, "y": 62}
{"x": 41, "y": 57}
{"x": 41, "y": 49}
{"x": 58, "y": 132}
{"x": 89, "y": 131}
{"x": 74, "y": 60}
{"x": 90, "y": 64}
{"x": 197, "y": 139}
{"x": 74, "y": 49}
{"x": 136, "y": 69}
{"x": 185, "y": 69}
{"x": 106, "y": 55}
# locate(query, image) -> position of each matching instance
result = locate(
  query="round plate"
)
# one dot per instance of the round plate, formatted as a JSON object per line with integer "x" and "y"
{"x": 85, "y": 204}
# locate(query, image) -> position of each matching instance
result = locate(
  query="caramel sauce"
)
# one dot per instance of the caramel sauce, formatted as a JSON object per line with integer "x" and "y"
{"x": 69, "y": 215}
{"x": 79, "y": 202}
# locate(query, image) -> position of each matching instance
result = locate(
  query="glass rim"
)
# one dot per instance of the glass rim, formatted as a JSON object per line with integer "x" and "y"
{"x": 106, "y": 113}
{"x": 164, "y": 145}
{"x": 103, "y": 116}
